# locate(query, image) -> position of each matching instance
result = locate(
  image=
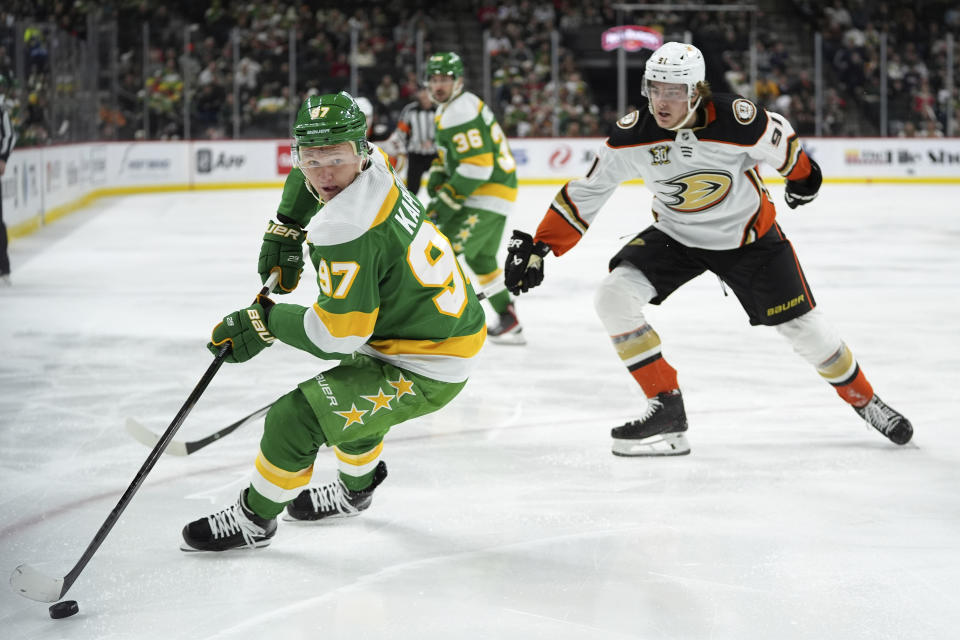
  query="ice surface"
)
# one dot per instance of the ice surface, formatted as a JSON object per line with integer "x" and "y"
{"x": 505, "y": 515}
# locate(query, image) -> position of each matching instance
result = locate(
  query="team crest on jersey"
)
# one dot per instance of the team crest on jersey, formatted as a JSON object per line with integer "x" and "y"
{"x": 660, "y": 154}
{"x": 744, "y": 111}
{"x": 628, "y": 120}
{"x": 696, "y": 190}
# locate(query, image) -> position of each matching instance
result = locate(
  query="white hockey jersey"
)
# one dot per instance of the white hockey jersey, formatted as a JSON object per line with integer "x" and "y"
{"x": 707, "y": 191}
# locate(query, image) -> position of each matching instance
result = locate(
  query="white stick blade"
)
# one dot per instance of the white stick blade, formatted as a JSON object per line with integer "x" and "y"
{"x": 32, "y": 584}
{"x": 150, "y": 439}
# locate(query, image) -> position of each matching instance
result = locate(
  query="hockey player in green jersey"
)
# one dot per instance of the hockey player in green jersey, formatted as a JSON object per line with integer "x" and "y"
{"x": 394, "y": 308}
{"x": 472, "y": 182}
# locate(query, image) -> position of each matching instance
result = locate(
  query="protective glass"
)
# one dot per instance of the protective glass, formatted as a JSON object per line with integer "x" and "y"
{"x": 670, "y": 91}
{"x": 314, "y": 158}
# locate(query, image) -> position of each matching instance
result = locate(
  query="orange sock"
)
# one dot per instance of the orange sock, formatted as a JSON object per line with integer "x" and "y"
{"x": 655, "y": 376}
{"x": 857, "y": 391}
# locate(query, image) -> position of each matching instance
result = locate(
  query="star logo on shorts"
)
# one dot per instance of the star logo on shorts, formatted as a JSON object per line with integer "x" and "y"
{"x": 353, "y": 416}
{"x": 380, "y": 401}
{"x": 464, "y": 234}
{"x": 472, "y": 220}
{"x": 403, "y": 386}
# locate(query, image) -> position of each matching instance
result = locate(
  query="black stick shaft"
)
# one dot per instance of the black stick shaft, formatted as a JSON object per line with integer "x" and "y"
{"x": 213, "y": 437}
{"x": 151, "y": 460}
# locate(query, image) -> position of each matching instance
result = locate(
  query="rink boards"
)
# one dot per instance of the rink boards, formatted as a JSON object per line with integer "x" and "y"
{"x": 43, "y": 184}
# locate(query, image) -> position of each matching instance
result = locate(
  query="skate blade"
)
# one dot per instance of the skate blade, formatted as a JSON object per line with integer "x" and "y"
{"x": 257, "y": 545}
{"x": 286, "y": 517}
{"x": 510, "y": 338}
{"x": 667, "y": 444}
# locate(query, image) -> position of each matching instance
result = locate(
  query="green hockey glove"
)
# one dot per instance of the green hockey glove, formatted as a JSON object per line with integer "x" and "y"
{"x": 246, "y": 330}
{"x": 282, "y": 250}
{"x": 444, "y": 204}
{"x": 435, "y": 177}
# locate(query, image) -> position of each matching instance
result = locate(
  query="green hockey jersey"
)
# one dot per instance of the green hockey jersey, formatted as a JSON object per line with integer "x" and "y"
{"x": 390, "y": 284}
{"x": 474, "y": 154}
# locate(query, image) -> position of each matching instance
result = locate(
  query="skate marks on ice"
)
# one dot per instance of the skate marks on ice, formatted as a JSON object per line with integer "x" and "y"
{"x": 505, "y": 515}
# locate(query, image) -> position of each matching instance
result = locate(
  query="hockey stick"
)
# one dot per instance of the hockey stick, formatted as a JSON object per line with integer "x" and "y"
{"x": 181, "y": 448}
{"x": 35, "y": 585}
{"x": 492, "y": 290}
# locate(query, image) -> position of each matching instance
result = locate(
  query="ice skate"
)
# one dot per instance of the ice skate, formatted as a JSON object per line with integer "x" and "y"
{"x": 886, "y": 420}
{"x": 507, "y": 329}
{"x": 333, "y": 500}
{"x": 658, "y": 432}
{"x": 235, "y": 527}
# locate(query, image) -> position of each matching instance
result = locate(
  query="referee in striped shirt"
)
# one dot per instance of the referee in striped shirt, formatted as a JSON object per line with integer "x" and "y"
{"x": 414, "y": 137}
{"x": 7, "y": 139}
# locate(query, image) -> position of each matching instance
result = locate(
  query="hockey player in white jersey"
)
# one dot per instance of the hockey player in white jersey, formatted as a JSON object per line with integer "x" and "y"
{"x": 698, "y": 153}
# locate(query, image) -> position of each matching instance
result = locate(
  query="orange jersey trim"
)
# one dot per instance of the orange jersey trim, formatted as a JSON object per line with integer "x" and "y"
{"x": 801, "y": 169}
{"x": 557, "y": 232}
{"x": 765, "y": 215}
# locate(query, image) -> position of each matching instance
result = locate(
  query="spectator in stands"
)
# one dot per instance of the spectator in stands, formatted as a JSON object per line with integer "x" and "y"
{"x": 909, "y": 130}
{"x": 931, "y": 129}
{"x": 387, "y": 92}
{"x": 363, "y": 56}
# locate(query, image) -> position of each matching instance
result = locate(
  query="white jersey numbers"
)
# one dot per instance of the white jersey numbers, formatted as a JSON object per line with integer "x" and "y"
{"x": 467, "y": 139}
{"x": 337, "y": 274}
{"x": 434, "y": 264}
{"x": 504, "y": 157}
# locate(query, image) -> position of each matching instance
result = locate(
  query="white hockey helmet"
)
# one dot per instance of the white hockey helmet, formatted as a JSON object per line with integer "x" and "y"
{"x": 676, "y": 63}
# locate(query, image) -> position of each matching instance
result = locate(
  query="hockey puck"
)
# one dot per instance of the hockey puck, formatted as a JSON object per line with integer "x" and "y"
{"x": 64, "y": 609}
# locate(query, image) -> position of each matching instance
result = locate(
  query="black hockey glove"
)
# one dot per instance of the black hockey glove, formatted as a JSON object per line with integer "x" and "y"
{"x": 804, "y": 191}
{"x": 523, "y": 269}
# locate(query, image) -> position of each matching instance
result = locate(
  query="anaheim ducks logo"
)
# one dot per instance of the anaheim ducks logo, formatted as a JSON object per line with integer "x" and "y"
{"x": 744, "y": 111}
{"x": 696, "y": 190}
{"x": 628, "y": 120}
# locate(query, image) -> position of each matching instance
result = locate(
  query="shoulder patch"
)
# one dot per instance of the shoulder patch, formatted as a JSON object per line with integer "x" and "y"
{"x": 629, "y": 120}
{"x": 744, "y": 111}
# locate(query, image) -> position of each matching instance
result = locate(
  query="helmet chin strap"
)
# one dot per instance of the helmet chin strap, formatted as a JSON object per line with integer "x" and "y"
{"x": 691, "y": 113}
{"x": 311, "y": 190}
{"x": 456, "y": 91}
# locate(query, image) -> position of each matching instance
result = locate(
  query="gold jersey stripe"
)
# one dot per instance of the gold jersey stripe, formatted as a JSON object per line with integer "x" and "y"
{"x": 480, "y": 160}
{"x": 501, "y": 191}
{"x": 484, "y": 279}
{"x": 793, "y": 155}
{"x": 278, "y": 477}
{"x": 344, "y": 325}
{"x": 565, "y": 207}
{"x": 360, "y": 458}
{"x": 388, "y": 204}
{"x": 460, "y": 346}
